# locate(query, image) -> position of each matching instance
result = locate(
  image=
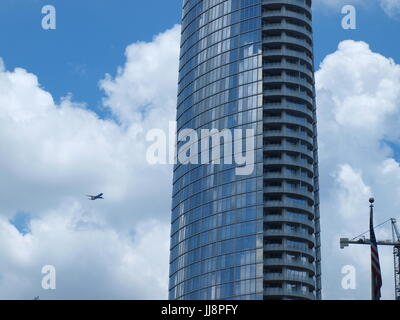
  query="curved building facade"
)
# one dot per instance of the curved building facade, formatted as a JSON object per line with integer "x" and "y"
{"x": 248, "y": 64}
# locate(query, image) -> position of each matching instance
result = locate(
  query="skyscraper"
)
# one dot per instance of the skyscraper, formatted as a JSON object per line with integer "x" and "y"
{"x": 248, "y": 64}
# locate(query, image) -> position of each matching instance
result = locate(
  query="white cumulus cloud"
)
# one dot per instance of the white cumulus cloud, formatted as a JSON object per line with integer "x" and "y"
{"x": 358, "y": 100}
{"x": 119, "y": 248}
{"x": 391, "y": 7}
{"x": 148, "y": 80}
{"x": 54, "y": 154}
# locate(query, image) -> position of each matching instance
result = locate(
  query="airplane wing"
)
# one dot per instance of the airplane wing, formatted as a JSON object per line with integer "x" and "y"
{"x": 99, "y": 196}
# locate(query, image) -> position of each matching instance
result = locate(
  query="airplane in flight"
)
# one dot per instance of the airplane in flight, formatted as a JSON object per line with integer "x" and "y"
{"x": 99, "y": 196}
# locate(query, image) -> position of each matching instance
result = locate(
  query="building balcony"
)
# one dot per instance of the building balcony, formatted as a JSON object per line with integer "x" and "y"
{"x": 287, "y": 133}
{"x": 289, "y": 66}
{"x": 286, "y": 203}
{"x": 288, "y": 40}
{"x": 287, "y": 277}
{"x": 285, "y": 78}
{"x": 302, "y": 163}
{"x": 284, "y": 217}
{"x": 288, "y": 119}
{"x": 290, "y": 190}
{"x": 284, "y": 13}
{"x": 283, "y": 25}
{"x": 285, "y": 232}
{"x": 288, "y": 53}
{"x": 282, "y": 293}
{"x": 292, "y": 93}
{"x": 298, "y": 263}
{"x": 285, "y": 174}
{"x": 298, "y": 3}
{"x": 288, "y": 248}
{"x": 285, "y": 146}
{"x": 286, "y": 105}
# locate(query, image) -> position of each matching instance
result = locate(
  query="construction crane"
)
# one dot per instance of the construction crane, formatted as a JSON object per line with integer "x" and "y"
{"x": 396, "y": 255}
{"x": 395, "y": 242}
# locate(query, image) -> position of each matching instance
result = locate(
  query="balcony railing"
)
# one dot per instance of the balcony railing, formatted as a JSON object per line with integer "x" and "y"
{"x": 288, "y": 52}
{"x": 289, "y": 248}
{"x": 284, "y": 217}
{"x": 290, "y": 262}
{"x": 284, "y": 160}
{"x": 288, "y": 39}
{"x": 285, "y": 174}
{"x": 285, "y": 276}
{"x": 287, "y": 189}
{"x": 285, "y": 91}
{"x": 289, "y": 66}
{"x": 288, "y": 203}
{"x": 287, "y": 133}
{"x": 290, "y": 79}
{"x": 285, "y": 232}
{"x": 286, "y": 146}
{"x": 287, "y": 26}
{"x": 295, "y": 293}
{"x": 299, "y": 3}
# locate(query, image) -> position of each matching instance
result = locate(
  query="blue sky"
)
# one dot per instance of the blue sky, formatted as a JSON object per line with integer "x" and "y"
{"x": 59, "y": 152}
{"x": 90, "y": 39}
{"x": 373, "y": 27}
{"x": 89, "y": 42}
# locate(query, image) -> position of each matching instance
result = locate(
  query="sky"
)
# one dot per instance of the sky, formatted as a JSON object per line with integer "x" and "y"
{"x": 75, "y": 106}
